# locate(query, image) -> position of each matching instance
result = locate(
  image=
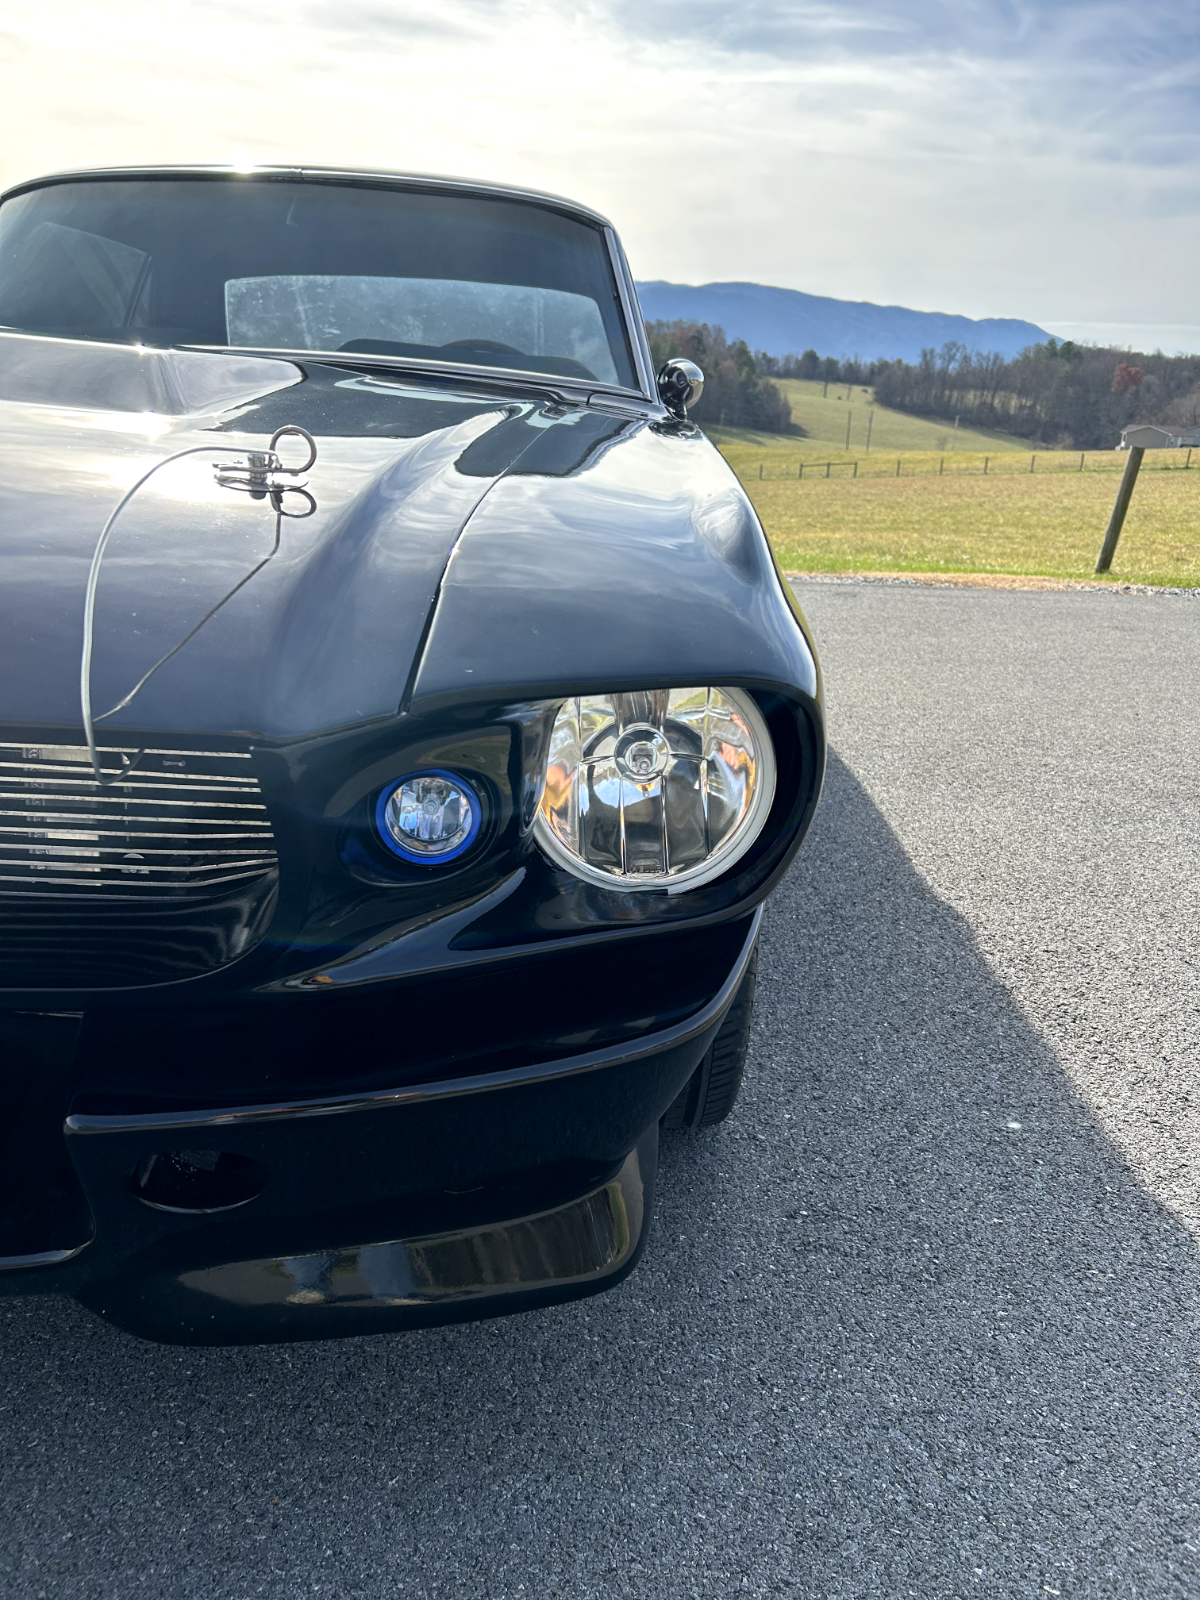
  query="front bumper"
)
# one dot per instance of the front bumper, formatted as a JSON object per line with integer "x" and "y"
{"x": 437, "y": 1201}
{"x": 562, "y": 1252}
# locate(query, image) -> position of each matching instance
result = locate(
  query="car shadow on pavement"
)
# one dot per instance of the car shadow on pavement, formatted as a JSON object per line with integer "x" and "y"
{"x": 906, "y": 1325}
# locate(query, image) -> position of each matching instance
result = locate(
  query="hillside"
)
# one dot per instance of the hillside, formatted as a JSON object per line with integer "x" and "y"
{"x": 821, "y": 410}
{"x": 787, "y": 321}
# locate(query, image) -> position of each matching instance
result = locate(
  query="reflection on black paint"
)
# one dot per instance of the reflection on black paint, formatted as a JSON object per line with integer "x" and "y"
{"x": 332, "y": 404}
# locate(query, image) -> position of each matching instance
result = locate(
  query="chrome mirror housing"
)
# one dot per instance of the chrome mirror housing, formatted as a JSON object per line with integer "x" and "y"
{"x": 680, "y": 385}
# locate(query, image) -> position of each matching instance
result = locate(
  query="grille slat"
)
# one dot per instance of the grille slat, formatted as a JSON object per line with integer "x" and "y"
{"x": 90, "y": 883}
{"x": 167, "y": 871}
{"x": 70, "y": 783}
{"x": 132, "y": 793}
{"x": 59, "y": 823}
{"x": 143, "y": 833}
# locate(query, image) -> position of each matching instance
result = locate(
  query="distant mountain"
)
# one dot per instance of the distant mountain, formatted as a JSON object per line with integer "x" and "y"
{"x": 787, "y": 321}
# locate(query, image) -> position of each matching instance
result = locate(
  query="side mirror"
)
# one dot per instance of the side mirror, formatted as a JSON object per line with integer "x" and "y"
{"x": 680, "y": 385}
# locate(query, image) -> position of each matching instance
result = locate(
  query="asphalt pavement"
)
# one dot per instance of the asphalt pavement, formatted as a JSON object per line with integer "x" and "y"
{"x": 921, "y": 1319}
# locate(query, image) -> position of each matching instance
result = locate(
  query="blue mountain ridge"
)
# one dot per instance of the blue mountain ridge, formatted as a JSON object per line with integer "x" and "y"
{"x": 788, "y": 321}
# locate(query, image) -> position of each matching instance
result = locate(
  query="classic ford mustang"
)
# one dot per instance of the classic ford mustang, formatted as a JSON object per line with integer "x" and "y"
{"x": 402, "y": 720}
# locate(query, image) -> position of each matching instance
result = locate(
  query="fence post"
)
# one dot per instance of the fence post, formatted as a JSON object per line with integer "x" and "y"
{"x": 941, "y": 466}
{"x": 1120, "y": 506}
{"x": 760, "y": 467}
{"x": 800, "y": 474}
{"x": 897, "y": 469}
{"x": 828, "y": 464}
{"x": 870, "y": 425}
{"x": 1081, "y": 461}
{"x": 849, "y": 419}
{"x": 986, "y": 459}
{"x": 1032, "y": 459}
{"x": 1188, "y": 462}
{"x": 855, "y": 469}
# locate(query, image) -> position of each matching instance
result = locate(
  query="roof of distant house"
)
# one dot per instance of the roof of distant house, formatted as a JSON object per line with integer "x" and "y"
{"x": 1156, "y": 436}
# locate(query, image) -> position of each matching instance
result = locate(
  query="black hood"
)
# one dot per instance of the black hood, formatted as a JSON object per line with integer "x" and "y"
{"x": 325, "y": 634}
{"x": 621, "y": 549}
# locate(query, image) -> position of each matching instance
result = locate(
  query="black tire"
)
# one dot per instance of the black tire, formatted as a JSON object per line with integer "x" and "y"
{"x": 709, "y": 1094}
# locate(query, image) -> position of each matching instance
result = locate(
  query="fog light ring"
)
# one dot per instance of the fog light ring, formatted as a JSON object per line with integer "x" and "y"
{"x": 407, "y": 803}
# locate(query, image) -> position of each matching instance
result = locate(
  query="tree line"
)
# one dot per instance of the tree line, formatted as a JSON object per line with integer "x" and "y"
{"x": 819, "y": 369}
{"x": 737, "y": 393}
{"x": 1060, "y": 395}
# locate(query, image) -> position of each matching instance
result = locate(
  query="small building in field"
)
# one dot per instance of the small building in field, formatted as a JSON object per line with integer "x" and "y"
{"x": 1153, "y": 436}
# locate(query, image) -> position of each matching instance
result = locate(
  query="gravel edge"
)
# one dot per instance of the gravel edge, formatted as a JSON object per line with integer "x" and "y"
{"x": 986, "y": 580}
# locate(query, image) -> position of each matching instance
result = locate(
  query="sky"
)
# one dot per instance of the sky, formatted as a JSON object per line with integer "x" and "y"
{"x": 1034, "y": 160}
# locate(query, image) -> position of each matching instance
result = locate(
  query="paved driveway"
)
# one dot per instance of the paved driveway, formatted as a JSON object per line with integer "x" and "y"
{"x": 920, "y": 1320}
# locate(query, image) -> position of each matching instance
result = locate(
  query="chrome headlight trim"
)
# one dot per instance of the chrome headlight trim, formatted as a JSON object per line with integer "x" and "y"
{"x": 649, "y": 754}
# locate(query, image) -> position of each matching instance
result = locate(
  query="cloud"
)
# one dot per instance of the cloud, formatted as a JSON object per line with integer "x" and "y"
{"x": 990, "y": 157}
{"x": 1074, "y": 32}
{"x": 396, "y": 24}
{"x": 1121, "y": 81}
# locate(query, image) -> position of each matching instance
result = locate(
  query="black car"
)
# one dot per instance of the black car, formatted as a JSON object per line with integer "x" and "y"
{"x": 402, "y": 720}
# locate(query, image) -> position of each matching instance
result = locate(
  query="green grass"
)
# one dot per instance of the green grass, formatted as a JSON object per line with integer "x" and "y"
{"x": 1047, "y": 523}
{"x": 942, "y": 514}
{"x": 823, "y": 418}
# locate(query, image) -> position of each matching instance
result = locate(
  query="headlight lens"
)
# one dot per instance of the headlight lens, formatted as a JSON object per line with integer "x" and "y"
{"x": 660, "y": 789}
{"x": 429, "y": 816}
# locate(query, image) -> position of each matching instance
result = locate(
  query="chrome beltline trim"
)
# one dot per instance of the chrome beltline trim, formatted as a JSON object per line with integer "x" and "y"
{"x": 548, "y": 384}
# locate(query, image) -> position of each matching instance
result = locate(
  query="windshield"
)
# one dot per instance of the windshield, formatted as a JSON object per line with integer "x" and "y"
{"x": 315, "y": 265}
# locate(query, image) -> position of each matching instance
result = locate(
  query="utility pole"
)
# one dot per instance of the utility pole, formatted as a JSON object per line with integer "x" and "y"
{"x": 1120, "y": 506}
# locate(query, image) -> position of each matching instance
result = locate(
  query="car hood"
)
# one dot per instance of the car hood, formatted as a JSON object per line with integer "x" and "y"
{"x": 457, "y": 545}
{"x": 325, "y": 633}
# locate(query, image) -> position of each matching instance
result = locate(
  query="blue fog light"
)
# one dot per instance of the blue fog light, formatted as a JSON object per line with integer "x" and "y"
{"x": 429, "y": 816}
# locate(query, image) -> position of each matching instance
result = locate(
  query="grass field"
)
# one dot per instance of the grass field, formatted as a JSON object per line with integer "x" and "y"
{"x": 942, "y": 513}
{"x": 1050, "y": 523}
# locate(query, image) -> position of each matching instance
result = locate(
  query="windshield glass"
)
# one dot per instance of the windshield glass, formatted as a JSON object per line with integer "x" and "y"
{"x": 286, "y": 265}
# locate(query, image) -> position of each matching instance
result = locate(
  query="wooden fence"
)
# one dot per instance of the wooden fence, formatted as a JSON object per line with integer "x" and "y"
{"x": 1004, "y": 465}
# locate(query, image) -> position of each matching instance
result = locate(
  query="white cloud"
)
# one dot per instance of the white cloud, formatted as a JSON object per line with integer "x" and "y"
{"x": 983, "y": 157}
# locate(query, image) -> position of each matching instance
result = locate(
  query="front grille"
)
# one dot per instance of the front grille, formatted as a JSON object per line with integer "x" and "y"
{"x": 164, "y": 870}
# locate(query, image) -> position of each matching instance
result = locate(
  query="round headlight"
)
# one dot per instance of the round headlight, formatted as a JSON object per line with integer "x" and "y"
{"x": 661, "y": 789}
{"x": 429, "y": 816}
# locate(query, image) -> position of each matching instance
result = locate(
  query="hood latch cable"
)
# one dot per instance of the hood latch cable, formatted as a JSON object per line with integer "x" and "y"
{"x": 259, "y": 473}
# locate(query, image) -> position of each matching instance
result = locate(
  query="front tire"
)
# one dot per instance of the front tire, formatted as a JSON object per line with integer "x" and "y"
{"x": 709, "y": 1094}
